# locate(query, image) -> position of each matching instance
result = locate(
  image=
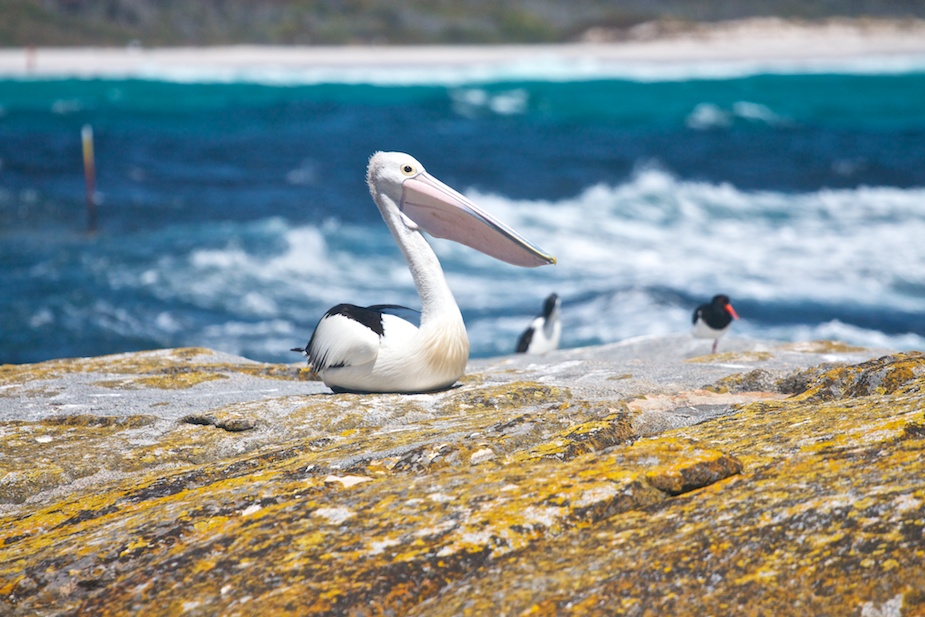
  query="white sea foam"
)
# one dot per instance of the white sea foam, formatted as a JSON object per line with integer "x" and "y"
{"x": 660, "y": 61}
{"x": 631, "y": 260}
{"x": 839, "y": 248}
{"x": 551, "y": 69}
{"x": 470, "y": 102}
{"x": 709, "y": 116}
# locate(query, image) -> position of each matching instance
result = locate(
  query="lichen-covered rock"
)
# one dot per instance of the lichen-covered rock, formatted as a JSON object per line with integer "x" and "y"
{"x": 539, "y": 486}
{"x": 878, "y": 376}
{"x": 826, "y": 518}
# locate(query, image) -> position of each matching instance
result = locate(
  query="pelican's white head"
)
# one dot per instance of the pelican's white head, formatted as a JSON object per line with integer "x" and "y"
{"x": 388, "y": 170}
{"x": 427, "y": 203}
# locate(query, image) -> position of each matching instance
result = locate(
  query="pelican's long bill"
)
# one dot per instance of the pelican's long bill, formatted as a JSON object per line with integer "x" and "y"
{"x": 444, "y": 213}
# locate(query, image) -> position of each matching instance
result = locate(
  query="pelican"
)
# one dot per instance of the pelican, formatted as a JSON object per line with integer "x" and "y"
{"x": 388, "y": 348}
{"x": 713, "y": 320}
{"x": 544, "y": 331}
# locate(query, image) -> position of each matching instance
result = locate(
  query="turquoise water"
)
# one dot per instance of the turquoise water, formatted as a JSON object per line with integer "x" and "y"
{"x": 233, "y": 212}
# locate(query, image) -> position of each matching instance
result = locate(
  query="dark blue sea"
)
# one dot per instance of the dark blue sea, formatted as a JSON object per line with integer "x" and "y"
{"x": 233, "y": 211}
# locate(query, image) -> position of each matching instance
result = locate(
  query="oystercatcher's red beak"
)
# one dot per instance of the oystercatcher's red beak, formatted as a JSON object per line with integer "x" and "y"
{"x": 732, "y": 311}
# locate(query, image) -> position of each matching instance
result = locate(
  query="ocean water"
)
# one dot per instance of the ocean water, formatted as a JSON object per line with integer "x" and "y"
{"x": 233, "y": 209}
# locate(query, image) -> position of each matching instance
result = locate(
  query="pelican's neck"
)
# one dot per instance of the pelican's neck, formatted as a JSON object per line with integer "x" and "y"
{"x": 437, "y": 301}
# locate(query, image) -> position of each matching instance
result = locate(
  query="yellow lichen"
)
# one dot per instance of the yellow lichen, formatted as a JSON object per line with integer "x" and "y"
{"x": 573, "y": 514}
{"x": 186, "y": 379}
{"x": 516, "y": 394}
{"x": 821, "y": 347}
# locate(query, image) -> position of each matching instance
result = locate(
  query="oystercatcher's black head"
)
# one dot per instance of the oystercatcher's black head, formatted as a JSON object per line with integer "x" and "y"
{"x": 718, "y": 313}
{"x": 722, "y": 301}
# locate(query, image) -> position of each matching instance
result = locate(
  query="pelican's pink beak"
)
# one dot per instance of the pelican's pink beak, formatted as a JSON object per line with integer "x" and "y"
{"x": 444, "y": 213}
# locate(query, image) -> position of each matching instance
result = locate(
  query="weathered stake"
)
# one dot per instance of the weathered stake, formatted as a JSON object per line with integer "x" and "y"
{"x": 86, "y": 137}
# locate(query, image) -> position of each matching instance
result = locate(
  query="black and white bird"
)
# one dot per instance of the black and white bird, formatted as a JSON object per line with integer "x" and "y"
{"x": 713, "y": 320}
{"x": 544, "y": 331}
{"x": 387, "y": 348}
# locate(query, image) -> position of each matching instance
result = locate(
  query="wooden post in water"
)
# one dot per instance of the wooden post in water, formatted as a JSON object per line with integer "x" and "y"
{"x": 86, "y": 138}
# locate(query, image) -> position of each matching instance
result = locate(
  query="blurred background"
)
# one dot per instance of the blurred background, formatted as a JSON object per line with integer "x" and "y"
{"x": 338, "y": 22}
{"x": 231, "y": 208}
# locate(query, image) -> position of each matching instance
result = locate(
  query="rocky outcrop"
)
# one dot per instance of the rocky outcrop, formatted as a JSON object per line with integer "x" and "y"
{"x": 638, "y": 478}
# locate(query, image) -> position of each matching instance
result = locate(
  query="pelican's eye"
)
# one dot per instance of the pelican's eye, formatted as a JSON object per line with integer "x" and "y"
{"x": 408, "y": 170}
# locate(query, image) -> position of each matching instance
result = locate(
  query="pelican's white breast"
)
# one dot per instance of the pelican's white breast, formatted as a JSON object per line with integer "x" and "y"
{"x": 406, "y": 359}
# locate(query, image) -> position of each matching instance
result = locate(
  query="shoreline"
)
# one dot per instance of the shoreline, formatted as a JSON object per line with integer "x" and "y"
{"x": 756, "y": 41}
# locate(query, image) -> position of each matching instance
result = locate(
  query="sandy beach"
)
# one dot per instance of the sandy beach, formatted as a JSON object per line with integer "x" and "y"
{"x": 756, "y": 41}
